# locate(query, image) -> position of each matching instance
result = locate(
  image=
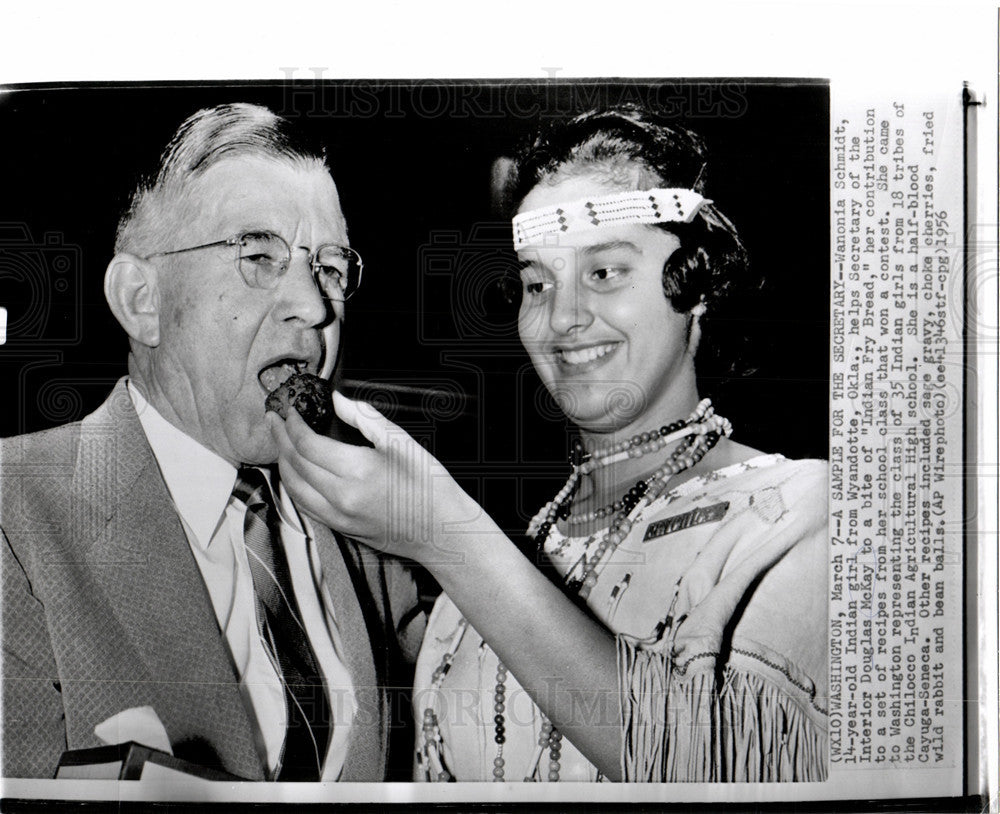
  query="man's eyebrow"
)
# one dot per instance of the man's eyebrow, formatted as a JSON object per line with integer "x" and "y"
{"x": 255, "y": 229}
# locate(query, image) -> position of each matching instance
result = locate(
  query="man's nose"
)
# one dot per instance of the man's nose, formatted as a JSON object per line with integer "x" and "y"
{"x": 301, "y": 295}
{"x": 570, "y": 310}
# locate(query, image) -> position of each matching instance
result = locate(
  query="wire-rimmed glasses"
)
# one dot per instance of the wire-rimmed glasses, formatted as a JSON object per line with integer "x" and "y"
{"x": 264, "y": 257}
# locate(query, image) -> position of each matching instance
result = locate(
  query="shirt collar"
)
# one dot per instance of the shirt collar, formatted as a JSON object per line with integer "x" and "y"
{"x": 199, "y": 481}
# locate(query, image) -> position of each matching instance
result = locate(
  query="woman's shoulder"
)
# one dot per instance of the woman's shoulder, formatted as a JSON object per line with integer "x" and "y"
{"x": 742, "y": 468}
{"x": 802, "y": 473}
{"x": 806, "y": 477}
{"x": 732, "y": 457}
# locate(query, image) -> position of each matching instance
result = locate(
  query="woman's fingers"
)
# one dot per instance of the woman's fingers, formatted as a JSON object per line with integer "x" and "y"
{"x": 327, "y": 453}
{"x": 364, "y": 417}
{"x": 344, "y": 476}
{"x": 307, "y": 498}
{"x": 390, "y": 441}
{"x": 387, "y": 496}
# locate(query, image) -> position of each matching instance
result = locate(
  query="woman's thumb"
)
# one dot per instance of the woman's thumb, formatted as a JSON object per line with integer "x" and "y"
{"x": 363, "y": 417}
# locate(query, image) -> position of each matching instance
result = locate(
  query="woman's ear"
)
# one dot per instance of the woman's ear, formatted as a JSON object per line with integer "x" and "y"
{"x": 694, "y": 328}
{"x": 130, "y": 287}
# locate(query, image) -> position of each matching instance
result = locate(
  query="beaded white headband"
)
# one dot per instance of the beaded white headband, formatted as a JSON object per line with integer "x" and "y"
{"x": 642, "y": 206}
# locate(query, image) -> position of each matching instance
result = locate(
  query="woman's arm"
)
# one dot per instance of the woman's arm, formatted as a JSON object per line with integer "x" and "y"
{"x": 399, "y": 499}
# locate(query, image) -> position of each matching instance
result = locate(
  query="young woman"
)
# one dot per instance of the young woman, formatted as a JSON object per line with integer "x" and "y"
{"x": 689, "y": 640}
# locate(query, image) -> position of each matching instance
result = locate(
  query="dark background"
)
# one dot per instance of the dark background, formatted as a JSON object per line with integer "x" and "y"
{"x": 427, "y": 338}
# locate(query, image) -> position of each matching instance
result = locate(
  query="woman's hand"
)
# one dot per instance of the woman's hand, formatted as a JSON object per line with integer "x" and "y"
{"x": 396, "y": 497}
{"x": 399, "y": 499}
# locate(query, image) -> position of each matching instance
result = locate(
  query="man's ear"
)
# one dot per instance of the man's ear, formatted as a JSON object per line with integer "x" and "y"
{"x": 131, "y": 289}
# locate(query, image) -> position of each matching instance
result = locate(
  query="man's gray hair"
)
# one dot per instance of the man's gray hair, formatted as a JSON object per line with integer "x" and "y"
{"x": 159, "y": 202}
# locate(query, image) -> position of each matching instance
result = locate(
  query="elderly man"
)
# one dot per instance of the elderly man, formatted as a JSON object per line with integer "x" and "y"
{"x": 158, "y": 583}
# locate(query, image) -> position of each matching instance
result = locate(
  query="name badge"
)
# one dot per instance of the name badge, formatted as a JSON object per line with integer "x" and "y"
{"x": 679, "y": 522}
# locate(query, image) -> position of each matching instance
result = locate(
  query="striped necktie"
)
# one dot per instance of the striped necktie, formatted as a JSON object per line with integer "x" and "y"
{"x": 283, "y": 634}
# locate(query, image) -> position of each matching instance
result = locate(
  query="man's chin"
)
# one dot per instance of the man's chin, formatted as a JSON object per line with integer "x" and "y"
{"x": 261, "y": 460}
{"x": 260, "y": 450}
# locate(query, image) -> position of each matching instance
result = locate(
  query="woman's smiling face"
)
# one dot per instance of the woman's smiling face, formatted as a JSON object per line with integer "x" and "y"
{"x": 600, "y": 332}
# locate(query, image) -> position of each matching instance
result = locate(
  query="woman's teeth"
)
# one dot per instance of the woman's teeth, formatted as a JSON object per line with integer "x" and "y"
{"x": 582, "y": 355}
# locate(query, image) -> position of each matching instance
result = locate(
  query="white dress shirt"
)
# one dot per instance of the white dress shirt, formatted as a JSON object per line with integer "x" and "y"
{"x": 201, "y": 484}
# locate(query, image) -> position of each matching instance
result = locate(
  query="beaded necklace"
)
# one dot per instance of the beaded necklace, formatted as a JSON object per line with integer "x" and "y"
{"x": 640, "y": 444}
{"x": 698, "y": 433}
{"x": 678, "y": 430}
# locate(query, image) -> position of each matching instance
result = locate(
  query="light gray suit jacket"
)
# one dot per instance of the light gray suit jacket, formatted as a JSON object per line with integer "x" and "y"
{"x": 104, "y": 609}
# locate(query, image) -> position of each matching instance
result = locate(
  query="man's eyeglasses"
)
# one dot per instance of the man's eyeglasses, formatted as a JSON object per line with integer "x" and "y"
{"x": 263, "y": 257}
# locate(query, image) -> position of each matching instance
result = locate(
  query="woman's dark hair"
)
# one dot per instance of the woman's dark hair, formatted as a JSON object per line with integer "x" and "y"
{"x": 711, "y": 265}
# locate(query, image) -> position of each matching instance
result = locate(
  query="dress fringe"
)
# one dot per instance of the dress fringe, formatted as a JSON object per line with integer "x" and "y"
{"x": 685, "y": 727}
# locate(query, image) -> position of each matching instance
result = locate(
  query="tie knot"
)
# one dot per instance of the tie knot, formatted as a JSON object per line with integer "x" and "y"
{"x": 251, "y": 487}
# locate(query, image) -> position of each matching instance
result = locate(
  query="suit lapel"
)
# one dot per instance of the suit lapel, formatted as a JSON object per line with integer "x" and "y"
{"x": 143, "y": 564}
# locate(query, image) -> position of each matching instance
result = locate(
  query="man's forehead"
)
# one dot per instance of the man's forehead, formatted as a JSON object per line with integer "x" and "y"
{"x": 252, "y": 191}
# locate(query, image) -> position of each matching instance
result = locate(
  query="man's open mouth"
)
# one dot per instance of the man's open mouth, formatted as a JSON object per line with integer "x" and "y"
{"x": 275, "y": 374}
